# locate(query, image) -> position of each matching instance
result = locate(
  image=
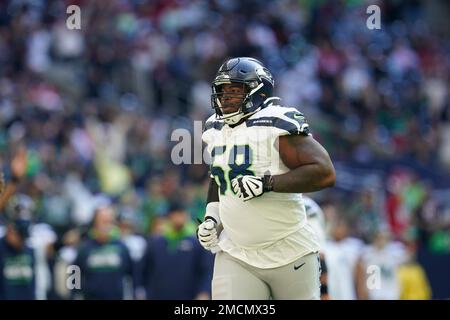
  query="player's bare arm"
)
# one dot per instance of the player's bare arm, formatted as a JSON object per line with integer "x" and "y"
{"x": 310, "y": 164}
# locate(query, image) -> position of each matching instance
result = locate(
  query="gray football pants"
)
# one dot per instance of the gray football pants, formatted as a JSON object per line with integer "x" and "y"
{"x": 237, "y": 280}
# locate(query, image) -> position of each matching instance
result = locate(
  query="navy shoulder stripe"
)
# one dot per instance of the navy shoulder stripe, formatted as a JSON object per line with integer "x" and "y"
{"x": 272, "y": 122}
{"x": 218, "y": 125}
{"x": 261, "y": 122}
{"x": 283, "y": 124}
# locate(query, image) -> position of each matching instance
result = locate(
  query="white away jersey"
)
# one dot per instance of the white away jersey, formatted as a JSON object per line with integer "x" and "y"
{"x": 267, "y": 231}
{"x": 341, "y": 258}
{"x": 387, "y": 261}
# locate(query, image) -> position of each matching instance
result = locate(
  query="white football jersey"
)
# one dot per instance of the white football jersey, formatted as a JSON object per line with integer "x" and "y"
{"x": 270, "y": 230}
{"x": 341, "y": 258}
{"x": 387, "y": 261}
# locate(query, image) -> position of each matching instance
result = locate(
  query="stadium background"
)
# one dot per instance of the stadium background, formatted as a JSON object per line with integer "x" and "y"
{"x": 95, "y": 107}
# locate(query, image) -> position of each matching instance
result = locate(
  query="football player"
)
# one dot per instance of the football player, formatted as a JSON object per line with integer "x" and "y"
{"x": 263, "y": 157}
{"x": 17, "y": 259}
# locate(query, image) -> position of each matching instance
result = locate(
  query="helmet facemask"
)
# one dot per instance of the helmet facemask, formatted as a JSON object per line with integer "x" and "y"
{"x": 241, "y": 101}
{"x": 228, "y": 99}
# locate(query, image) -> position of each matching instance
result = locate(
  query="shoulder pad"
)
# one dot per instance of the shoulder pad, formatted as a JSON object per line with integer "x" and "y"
{"x": 287, "y": 119}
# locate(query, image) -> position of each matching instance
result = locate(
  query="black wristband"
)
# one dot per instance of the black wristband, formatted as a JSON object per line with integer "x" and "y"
{"x": 267, "y": 183}
{"x": 323, "y": 289}
{"x": 211, "y": 218}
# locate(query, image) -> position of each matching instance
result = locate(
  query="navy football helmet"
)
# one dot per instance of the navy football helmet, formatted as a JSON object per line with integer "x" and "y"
{"x": 256, "y": 80}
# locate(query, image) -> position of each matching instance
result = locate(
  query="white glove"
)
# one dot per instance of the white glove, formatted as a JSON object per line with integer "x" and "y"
{"x": 248, "y": 187}
{"x": 207, "y": 235}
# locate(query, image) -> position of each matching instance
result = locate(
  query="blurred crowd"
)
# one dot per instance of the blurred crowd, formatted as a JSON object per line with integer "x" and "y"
{"x": 95, "y": 108}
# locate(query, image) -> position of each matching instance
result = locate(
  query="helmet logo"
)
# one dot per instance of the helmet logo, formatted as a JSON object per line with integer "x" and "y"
{"x": 253, "y": 84}
{"x": 261, "y": 72}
